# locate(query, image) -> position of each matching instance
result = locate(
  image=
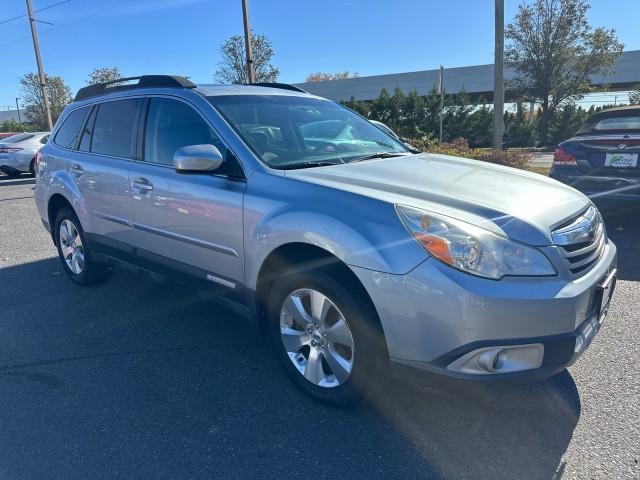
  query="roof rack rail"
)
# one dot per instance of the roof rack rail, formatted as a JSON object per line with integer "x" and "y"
{"x": 283, "y": 86}
{"x": 143, "y": 81}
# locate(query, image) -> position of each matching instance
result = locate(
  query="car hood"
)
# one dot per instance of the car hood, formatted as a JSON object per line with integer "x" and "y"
{"x": 521, "y": 205}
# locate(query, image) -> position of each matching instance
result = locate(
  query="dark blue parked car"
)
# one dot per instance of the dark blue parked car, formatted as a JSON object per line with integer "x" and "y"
{"x": 601, "y": 160}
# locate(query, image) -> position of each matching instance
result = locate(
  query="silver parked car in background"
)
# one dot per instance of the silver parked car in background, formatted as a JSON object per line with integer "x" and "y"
{"x": 355, "y": 255}
{"x": 18, "y": 152}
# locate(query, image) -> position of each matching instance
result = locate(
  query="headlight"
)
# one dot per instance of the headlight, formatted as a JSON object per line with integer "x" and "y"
{"x": 473, "y": 249}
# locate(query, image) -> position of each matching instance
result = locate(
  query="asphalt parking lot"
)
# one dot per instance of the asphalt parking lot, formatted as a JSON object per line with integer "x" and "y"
{"x": 143, "y": 379}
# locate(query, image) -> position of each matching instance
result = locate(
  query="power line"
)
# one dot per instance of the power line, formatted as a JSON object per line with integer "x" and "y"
{"x": 97, "y": 12}
{"x": 35, "y": 11}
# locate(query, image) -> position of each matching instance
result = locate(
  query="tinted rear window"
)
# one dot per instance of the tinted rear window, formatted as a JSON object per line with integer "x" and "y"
{"x": 69, "y": 132}
{"x": 113, "y": 129}
{"x": 617, "y": 121}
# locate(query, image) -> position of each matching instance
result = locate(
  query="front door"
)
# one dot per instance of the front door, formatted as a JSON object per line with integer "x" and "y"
{"x": 191, "y": 223}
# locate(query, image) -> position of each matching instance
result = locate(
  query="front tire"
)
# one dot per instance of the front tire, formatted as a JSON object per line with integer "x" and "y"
{"x": 75, "y": 255}
{"x": 327, "y": 337}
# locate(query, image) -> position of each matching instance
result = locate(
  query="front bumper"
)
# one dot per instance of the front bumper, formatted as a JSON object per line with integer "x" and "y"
{"x": 435, "y": 315}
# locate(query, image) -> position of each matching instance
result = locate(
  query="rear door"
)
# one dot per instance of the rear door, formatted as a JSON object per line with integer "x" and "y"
{"x": 191, "y": 223}
{"x": 101, "y": 168}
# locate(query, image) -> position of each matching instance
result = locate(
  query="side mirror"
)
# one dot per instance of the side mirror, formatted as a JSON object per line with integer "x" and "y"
{"x": 197, "y": 158}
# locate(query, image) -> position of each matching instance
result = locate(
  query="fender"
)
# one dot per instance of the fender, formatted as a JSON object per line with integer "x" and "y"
{"x": 61, "y": 182}
{"x": 375, "y": 240}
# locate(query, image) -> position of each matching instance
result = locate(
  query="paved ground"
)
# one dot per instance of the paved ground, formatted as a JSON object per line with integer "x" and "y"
{"x": 541, "y": 159}
{"x": 139, "y": 379}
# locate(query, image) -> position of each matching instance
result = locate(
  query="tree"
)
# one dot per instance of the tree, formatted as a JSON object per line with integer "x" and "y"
{"x": 323, "y": 77}
{"x": 520, "y": 131}
{"x": 634, "y": 95}
{"x": 105, "y": 74}
{"x": 11, "y": 125}
{"x": 566, "y": 122}
{"x": 233, "y": 66}
{"x": 59, "y": 97}
{"x": 554, "y": 50}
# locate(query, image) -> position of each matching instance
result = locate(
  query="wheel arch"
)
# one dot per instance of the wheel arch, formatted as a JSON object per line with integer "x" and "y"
{"x": 298, "y": 256}
{"x": 56, "y": 202}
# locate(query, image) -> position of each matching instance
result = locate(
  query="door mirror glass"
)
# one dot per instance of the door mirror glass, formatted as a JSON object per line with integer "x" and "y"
{"x": 197, "y": 158}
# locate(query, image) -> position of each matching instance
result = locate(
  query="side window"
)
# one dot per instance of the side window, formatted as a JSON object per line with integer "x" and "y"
{"x": 171, "y": 125}
{"x": 85, "y": 141}
{"x": 69, "y": 132}
{"x": 113, "y": 128}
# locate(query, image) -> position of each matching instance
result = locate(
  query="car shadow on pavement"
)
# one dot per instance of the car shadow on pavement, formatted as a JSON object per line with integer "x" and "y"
{"x": 138, "y": 378}
{"x": 24, "y": 179}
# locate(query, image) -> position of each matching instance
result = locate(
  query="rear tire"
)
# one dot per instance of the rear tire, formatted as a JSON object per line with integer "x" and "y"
{"x": 73, "y": 250}
{"x": 333, "y": 362}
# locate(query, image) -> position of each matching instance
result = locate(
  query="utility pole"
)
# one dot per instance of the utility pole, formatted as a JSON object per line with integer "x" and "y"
{"x": 498, "y": 76}
{"x": 247, "y": 41}
{"x": 441, "y": 91}
{"x": 43, "y": 83}
{"x": 18, "y": 109}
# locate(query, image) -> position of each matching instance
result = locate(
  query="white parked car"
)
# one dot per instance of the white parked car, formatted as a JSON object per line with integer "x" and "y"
{"x": 18, "y": 152}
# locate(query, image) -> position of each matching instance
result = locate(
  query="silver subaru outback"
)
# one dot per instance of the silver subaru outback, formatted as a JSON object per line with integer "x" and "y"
{"x": 357, "y": 256}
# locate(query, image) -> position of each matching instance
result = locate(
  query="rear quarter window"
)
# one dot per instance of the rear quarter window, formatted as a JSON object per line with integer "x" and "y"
{"x": 67, "y": 135}
{"x": 113, "y": 131}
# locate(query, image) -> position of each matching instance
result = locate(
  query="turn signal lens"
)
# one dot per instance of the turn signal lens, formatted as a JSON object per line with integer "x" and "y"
{"x": 436, "y": 246}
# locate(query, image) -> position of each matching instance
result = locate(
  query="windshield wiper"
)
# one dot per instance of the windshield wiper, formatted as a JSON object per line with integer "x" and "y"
{"x": 379, "y": 155}
{"x": 308, "y": 164}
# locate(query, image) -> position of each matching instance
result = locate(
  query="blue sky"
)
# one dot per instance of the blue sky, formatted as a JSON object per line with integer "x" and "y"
{"x": 183, "y": 36}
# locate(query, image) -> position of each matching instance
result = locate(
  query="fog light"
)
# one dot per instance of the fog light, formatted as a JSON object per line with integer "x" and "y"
{"x": 500, "y": 359}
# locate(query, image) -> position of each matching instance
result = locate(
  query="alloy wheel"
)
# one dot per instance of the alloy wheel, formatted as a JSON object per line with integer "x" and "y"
{"x": 71, "y": 246}
{"x": 317, "y": 338}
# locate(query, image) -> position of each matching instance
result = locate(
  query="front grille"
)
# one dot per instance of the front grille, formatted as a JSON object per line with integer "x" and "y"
{"x": 581, "y": 241}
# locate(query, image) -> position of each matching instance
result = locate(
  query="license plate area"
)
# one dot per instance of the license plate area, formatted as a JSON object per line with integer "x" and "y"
{"x": 621, "y": 160}
{"x": 604, "y": 291}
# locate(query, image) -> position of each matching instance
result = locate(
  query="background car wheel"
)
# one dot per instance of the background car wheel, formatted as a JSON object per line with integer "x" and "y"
{"x": 32, "y": 168}
{"x": 12, "y": 173}
{"x": 74, "y": 252}
{"x": 327, "y": 337}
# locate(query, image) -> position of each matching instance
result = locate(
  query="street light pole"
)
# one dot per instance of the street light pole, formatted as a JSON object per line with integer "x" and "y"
{"x": 441, "y": 91}
{"x": 498, "y": 76}
{"x": 18, "y": 109}
{"x": 247, "y": 41}
{"x": 43, "y": 83}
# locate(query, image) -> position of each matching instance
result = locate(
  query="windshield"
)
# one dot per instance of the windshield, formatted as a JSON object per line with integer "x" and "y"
{"x": 17, "y": 138}
{"x": 290, "y": 131}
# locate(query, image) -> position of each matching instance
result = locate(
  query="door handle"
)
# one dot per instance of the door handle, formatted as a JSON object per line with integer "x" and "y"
{"x": 76, "y": 170}
{"x": 141, "y": 185}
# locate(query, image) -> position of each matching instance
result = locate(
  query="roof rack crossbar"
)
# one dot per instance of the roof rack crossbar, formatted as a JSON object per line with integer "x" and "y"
{"x": 283, "y": 86}
{"x": 143, "y": 81}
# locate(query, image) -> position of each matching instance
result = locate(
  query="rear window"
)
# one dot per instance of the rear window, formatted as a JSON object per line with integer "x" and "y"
{"x": 113, "y": 128}
{"x": 67, "y": 136}
{"x": 21, "y": 137}
{"x": 612, "y": 122}
{"x": 619, "y": 123}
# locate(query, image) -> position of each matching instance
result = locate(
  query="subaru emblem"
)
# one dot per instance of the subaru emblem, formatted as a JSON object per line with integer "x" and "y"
{"x": 622, "y": 146}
